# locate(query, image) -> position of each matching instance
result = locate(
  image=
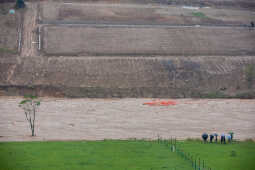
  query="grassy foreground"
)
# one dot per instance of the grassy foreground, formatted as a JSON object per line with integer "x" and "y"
{"x": 233, "y": 156}
{"x": 123, "y": 155}
{"x": 89, "y": 155}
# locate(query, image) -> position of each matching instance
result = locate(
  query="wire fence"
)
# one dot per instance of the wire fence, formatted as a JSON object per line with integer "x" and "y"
{"x": 196, "y": 163}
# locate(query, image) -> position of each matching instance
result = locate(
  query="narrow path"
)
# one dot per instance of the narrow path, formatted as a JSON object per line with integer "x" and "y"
{"x": 29, "y": 31}
{"x": 91, "y": 24}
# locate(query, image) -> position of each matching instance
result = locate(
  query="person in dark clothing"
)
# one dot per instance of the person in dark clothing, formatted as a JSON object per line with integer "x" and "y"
{"x": 251, "y": 27}
{"x": 216, "y": 137}
{"x": 211, "y": 138}
{"x": 223, "y": 138}
{"x": 205, "y": 137}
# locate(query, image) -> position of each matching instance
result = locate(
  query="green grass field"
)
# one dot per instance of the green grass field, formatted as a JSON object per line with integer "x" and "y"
{"x": 123, "y": 155}
{"x": 234, "y": 156}
{"x": 95, "y": 155}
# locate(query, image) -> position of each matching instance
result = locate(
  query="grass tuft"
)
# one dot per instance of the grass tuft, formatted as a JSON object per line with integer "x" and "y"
{"x": 6, "y": 50}
{"x": 199, "y": 14}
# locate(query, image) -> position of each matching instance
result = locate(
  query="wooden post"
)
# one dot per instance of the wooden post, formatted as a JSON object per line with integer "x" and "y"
{"x": 199, "y": 163}
{"x": 192, "y": 161}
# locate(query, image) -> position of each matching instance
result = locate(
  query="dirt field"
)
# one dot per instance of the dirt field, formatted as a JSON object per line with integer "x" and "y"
{"x": 233, "y": 4}
{"x": 140, "y": 14}
{"x": 92, "y": 119}
{"x": 141, "y": 73}
{"x": 9, "y": 25}
{"x": 121, "y": 35}
{"x": 147, "y": 41}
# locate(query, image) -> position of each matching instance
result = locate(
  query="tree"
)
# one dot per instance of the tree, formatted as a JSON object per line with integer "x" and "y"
{"x": 20, "y": 4}
{"x": 30, "y": 106}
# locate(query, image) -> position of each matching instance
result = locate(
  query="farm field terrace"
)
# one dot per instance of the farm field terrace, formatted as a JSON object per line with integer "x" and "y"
{"x": 146, "y": 41}
{"x": 78, "y": 13}
{"x": 126, "y": 154}
{"x": 9, "y": 27}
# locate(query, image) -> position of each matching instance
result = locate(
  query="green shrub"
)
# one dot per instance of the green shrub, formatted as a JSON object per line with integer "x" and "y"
{"x": 199, "y": 14}
{"x": 20, "y": 4}
{"x": 213, "y": 95}
{"x": 6, "y": 50}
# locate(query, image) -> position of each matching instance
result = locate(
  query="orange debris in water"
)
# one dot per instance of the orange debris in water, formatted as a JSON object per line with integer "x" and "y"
{"x": 160, "y": 103}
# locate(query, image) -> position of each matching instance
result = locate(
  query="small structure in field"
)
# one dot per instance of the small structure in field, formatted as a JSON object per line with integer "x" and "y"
{"x": 12, "y": 11}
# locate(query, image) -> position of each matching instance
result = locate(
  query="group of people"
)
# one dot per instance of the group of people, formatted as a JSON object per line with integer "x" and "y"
{"x": 214, "y": 137}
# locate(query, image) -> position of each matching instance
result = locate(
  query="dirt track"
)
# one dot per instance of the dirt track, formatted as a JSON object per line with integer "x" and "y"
{"x": 29, "y": 30}
{"x": 95, "y": 119}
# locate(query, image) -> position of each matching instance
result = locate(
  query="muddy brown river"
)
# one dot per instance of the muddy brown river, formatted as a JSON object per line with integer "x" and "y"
{"x": 97, "y": 119}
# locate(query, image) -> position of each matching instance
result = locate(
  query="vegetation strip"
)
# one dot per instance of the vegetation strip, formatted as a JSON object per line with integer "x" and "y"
{"x": 127, "y": 155}
{"x": 91, "y": 155}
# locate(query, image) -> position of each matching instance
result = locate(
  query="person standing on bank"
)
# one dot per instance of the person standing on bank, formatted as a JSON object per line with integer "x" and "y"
{"x": 252, "y": 26}
{"x": 204, "y": 137}
{"x": 223, "y": 138}
{"x": 229, "y": 138}
{"x": 216, "y": 137}
{"x": 211, "y": 138}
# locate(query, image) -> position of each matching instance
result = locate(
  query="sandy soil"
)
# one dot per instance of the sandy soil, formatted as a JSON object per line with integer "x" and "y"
{"x": 95, "y": 119}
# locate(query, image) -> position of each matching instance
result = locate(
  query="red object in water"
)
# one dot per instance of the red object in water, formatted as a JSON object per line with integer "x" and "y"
{"x": 161, "y": 103}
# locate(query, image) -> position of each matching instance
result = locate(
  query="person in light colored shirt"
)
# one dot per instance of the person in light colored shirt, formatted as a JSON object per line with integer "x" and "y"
{"x": 229, "y": 138}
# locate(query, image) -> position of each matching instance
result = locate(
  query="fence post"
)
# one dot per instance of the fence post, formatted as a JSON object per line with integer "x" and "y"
{"x": 198, "y": 163}
{"x": 192, "y": 161}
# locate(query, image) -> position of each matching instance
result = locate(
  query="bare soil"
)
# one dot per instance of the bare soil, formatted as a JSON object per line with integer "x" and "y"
{"x": 140, "y": 14}
{"x": 84, "y": 41}
{"x": 9, "y": 25}
{"x": 234, "y": 4}
{"x": 30, "y": 28}
{"x": 133, "y": 75}
{"x": 96, "y": 119}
